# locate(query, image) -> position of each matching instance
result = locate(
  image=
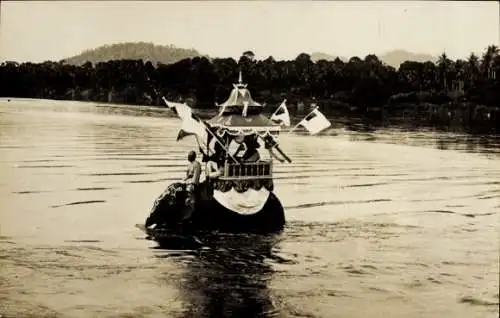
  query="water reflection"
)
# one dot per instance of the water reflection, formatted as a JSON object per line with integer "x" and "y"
{"x": 229, "y": 277}
{"x": 469, "y": 143}
{"x": 361, "y": 127}
{"x": 423, "y": 137}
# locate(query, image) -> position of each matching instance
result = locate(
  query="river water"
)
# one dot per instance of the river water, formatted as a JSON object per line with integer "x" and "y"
{"x": 381, "y": 223}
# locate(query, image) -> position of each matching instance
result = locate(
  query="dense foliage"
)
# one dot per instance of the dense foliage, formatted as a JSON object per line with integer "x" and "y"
{"x": 464, "y": 91}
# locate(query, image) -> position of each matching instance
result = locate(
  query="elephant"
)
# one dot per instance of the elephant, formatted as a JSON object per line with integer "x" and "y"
{"x": 206, "y": 214}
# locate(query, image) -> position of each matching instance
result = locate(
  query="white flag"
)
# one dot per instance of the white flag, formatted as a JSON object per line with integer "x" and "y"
{"x": 182, "y": 110}
{"x": 315, "y": 122}
{"x": 210, "y": 147}
{"x": 281, "y": 115}
{"x": 191, "y": 124}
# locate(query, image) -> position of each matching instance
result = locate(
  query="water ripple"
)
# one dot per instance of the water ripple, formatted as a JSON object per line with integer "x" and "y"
{"x": 323, "y": 203}
{"x": 30, "y": 191}
{"x": 78, "y": 202}
{"x": 93, "y": 189}
{"x": 44, "y": 166}
{"x": 410, "y": 219}
{"x": 104, "y": 174}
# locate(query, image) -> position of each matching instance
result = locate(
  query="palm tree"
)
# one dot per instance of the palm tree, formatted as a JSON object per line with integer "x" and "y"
{"x": 444, "y": 67}
{"x": 460, "y": 71}
{"x": 487, "y": 61}
{"x": 429, "y": 76}
{"x": 472, "y": 69}
{"x": 496, "y": 67}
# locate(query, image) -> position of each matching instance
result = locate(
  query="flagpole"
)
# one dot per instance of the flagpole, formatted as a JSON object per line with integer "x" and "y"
{"x": 276, "y": 143}
{"x": 277, "y": 147}
{"x": 208, "y": 158}
{"x": 220, "y": 143}
{"x": 207, "y": 129}
{"x": 204, "y": 124}
{"x": 283, "y": 154}
{"x": 278, "y": 108}
{"x": 295, "y": 127}
{"x": 280, "y": 151}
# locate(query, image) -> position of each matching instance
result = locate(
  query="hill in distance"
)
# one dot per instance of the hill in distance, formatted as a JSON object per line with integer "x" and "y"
{"x": 396, "y": 57}
{"x": 168, "y": 54}
{"x": 316, "y": 56}
{"x": 392, "y": 58}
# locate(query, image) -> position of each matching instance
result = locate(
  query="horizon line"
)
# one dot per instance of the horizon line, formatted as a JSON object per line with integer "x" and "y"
{"x": 263, "y": 57}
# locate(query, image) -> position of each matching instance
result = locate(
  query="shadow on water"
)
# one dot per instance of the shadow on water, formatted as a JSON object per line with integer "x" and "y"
{"x": 228, "y": 276}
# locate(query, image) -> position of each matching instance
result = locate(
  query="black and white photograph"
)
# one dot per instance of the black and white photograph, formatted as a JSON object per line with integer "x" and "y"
{"x": 275, "y": 159}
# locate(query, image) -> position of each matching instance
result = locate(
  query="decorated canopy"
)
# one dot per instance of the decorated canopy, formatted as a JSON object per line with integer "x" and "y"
{"x": 239, "y": 99}
{"x": 236, "y": 124}
{"x": 240, "y": 96}
{"x": 240, "y": 114}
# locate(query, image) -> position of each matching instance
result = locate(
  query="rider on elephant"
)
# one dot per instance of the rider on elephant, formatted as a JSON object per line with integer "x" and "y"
{"x": 192, "y": 181}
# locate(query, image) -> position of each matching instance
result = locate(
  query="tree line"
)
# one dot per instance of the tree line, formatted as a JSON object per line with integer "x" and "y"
{"x": 448, "y": 92}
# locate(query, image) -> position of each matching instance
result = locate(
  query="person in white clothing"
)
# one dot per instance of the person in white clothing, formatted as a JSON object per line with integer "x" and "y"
{"x": 212, "y": 171}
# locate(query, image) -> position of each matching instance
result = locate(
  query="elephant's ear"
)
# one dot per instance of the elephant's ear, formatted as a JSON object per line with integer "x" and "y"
{"x": 168, "y": 206}
{"x": 179, "y": 186}
{"x": 168, "y": 197}
{"x": 173, "y": 189}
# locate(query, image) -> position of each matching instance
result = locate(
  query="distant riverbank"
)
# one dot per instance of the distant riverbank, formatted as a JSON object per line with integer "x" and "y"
{"x": 460, "y": 117}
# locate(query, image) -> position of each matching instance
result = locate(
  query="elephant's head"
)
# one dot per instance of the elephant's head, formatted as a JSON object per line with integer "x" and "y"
{"x": 169, "y": 206}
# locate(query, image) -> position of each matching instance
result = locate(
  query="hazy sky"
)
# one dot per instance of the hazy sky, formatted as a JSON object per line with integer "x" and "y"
{"x": 52, "y": 30}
